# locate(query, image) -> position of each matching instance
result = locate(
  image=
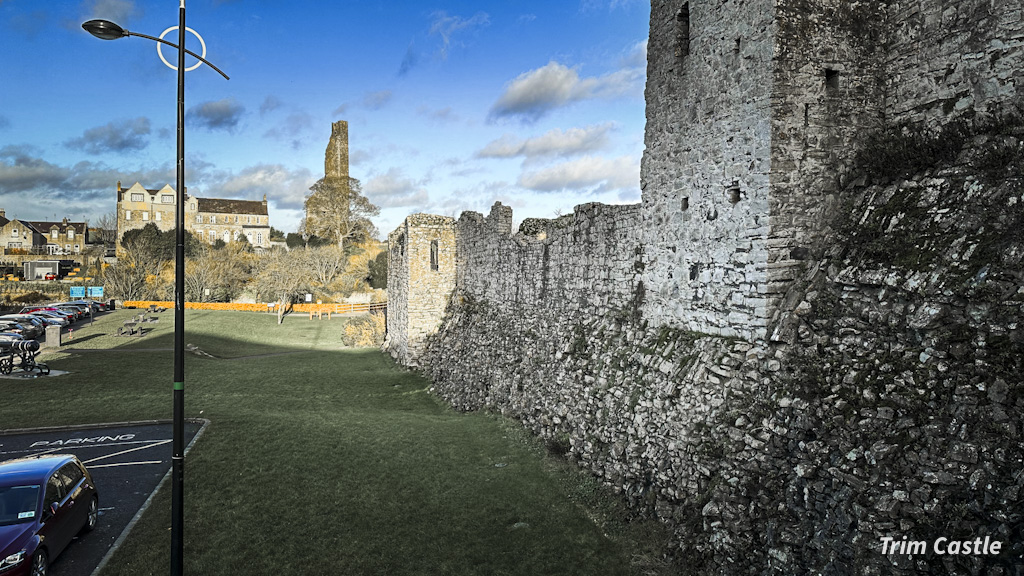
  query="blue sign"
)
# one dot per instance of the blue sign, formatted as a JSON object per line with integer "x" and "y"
{"x": 78, "y": 291}
{"x": 95, "y": 291}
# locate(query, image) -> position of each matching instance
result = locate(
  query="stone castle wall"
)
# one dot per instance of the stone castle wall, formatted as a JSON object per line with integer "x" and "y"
{"x": 790, "y": 349}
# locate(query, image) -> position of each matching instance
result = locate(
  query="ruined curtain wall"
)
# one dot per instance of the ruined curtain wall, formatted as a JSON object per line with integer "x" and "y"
{"x": 946, "y": 58}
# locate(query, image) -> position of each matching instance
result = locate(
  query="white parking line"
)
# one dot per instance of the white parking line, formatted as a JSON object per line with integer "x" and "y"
{"x": 160, "y": 443}
{"x": 76, "y": 446}
{"x": 125, "y": 464}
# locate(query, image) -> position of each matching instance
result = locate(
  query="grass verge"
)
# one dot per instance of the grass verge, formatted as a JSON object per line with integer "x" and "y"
{"x": 322, "y": 459}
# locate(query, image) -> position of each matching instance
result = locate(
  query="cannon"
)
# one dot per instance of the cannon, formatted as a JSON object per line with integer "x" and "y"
{"x": 25, "y": 352}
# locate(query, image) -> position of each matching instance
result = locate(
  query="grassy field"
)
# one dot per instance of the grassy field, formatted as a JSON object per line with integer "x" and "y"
{"x": 326, "y": 460}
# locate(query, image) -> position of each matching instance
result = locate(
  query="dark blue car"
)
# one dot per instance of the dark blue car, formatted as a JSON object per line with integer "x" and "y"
{"x": 44, "y": 502}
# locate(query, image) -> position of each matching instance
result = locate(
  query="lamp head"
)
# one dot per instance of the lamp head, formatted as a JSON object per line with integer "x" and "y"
{"x": 104, "y": 29}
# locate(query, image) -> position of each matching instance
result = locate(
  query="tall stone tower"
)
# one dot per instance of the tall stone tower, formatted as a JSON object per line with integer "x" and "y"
{"x": 336, "y": 158}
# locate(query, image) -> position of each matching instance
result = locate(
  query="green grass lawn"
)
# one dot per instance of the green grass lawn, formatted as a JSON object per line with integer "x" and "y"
{"x": 326, "y": 460}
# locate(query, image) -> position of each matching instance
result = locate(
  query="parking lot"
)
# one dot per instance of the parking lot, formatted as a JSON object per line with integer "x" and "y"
{"x": 127, "y": 463}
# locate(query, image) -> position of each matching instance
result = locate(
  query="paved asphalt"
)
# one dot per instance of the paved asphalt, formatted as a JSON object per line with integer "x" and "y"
{"x": 127, "y": 463}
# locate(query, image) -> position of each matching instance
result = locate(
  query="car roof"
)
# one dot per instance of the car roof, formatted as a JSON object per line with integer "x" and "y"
{"x": 31, "y": 469}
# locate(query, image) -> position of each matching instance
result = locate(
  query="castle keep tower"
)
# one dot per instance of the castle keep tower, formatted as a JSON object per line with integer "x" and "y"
{"x": 336, "y": 156}
{"x": 749, "y": 108}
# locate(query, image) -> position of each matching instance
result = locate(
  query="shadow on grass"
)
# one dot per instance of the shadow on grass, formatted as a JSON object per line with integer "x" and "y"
{"x": 322, "y": 459}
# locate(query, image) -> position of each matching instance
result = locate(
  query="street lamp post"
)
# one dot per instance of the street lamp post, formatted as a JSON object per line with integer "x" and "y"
{"x": 106, "y": 30}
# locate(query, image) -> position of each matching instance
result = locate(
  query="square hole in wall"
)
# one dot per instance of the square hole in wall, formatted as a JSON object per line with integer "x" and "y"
{"x": 831, "y": 81}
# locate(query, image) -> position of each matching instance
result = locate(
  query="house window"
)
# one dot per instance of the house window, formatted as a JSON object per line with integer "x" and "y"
{"x": 213, "y": 219}
{"x": 67, "y": 247}
{"x": 247, "y": 219}
{"x": 136, "y": 197}
{"x": 127, "y": 214}
{"x": 54, "y": 233}
{"x": 71, "y": 234}
{"x": 199, "y": 218}
{"x": 259, "y": 238}
{"x": 145, "y": 215}
{"x": 236, "y": 219}
{"x": 167, "y": 198}
{"x": 193, "y": 206}
{"x": 683, "y": 31}
{"x": 77, "y": 248}
{"x": 158, "y": 214}
{"x": 227, "y": 236}
{"x": 14, "y": 233}
{"x": 433, "y": 255}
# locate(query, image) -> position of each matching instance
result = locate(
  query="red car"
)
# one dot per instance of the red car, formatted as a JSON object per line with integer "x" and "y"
{"x": 50, "y": 276}
{"x": 45, "y": 501}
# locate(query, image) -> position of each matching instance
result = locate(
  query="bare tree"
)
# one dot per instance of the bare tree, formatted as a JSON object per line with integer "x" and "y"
{"x": 337, "y": 210}
{"x": 126, "y": 279}
{"x": 107, "y": 226}
{"x": 282, "y": 276}
{"x": 325, "y": 263}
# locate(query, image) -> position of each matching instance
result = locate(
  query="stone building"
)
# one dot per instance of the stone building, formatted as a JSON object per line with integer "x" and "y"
{"x": 208, "y": 219}
{"x": 807, "y": 337}
{"x": 21, "y": 237}
{"x": 64, "y": 237}
{"x": 421, "y": 264}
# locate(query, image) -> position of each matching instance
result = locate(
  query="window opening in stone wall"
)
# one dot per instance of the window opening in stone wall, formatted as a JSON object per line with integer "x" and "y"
{"x": 433, "y": 255}
{"x": 807, "y": 114}
{"x": 831, "y": 81}
{"x": 685, "y": 204}
{"x": 734, "y": 193}
{"x": 736, "y": 48}
{"x": 683, "y": 31}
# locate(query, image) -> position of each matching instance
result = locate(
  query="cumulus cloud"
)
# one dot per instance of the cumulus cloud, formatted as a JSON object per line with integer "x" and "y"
{"x": 217, "y": 115}
{"x": 552, "y": 143}
{"x": 447, "y": 27}
{"x": 535, "y": 93}
{"x": 393, "y": 190}
{"x": 116, "y": 136}
{"x": 590, "y": 173}
{"x": 285, "y": 188}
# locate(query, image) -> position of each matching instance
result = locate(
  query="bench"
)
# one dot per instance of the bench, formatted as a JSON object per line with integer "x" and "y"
{"x": 153, "y": 308}
{"x": 130, "y": 328}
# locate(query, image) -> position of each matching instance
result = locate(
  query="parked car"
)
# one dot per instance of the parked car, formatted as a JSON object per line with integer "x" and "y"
{"x": 78, "y": 309}
{"x": 67, "y": 315}
{"x": 50, "y": 276}
{"x": 96, "y": 306}
{"x": 45, "y": 501}
{"x": 50, "y": 318}
{"x": 10, "y": 336}
{"x": 54, "y": 313}
{"x": 32, "y": 327}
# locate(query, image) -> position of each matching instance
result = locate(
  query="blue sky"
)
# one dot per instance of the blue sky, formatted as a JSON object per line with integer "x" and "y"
{"x": 451, "y": 105}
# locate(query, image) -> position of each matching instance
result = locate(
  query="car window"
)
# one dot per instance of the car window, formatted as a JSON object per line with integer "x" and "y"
{"x": 18, "y": 504}
{"x": 70, "y": 473}
{"x": 54, "y": 490}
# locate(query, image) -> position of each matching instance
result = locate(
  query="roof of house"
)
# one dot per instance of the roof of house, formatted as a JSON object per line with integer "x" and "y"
{"x": 44, "y": 227}
{"x": 222, "y": 206}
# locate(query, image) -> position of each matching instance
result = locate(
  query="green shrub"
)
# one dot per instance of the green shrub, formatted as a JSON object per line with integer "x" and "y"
{"x": 365, "y": 331}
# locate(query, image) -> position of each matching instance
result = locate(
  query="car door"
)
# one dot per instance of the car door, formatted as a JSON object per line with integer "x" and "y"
{"x": 56, "y": 530}
{"x": 73, "y": 478}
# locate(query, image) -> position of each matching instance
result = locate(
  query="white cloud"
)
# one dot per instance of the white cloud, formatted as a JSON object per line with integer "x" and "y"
{"x": 285, "y": 188}
{"x": 552, "y": 143}
{"x": 393, "y": 189}
{"x": 591, "y": 173}
{"x": 446, "y": 26}
{"x": 535, "y": 93}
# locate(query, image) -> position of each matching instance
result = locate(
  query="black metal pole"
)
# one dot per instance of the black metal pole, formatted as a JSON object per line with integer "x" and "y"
{"x": 178, "y": 435}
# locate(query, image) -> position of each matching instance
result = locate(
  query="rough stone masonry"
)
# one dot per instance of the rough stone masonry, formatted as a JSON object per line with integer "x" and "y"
{"x": 803, "y": 348}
